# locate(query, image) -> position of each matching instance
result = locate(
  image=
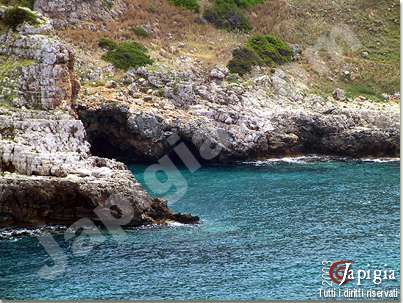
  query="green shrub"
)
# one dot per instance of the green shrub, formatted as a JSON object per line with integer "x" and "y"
{"x": 259, "y": 50}
{"x": 228, "y": 15}
{"x": 188, "y": 4}
{"x": 248, "y": 3}
{"x": 107, "y": 43}
{"x": 14, "y": 16}
{"x": 243, "y": 59}
{"x": 140, "y": 32}
{"x": 270, "y": 49}
{"x": 127, "y": 55}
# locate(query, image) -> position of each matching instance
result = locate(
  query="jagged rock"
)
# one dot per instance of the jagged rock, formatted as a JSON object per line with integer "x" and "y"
{"x": 182, "y": 94}
{"x": 49, "y": 81}
{"x": 219, "y": 73}
{"x": 47, "y": 173}
{"x": 49, "y": 176}
{"x": 339, "y": 94}
{"x": 39, "y": 200}
{"x": 133, "y": 90}
{"x": 365, "y": 55}
{"x": 346, "y": 75}
{"x": 70, "y": 12}
{"x": 273, "y": 117}
{"x": 296, "y": 51}
{"x": 111, "y": 84}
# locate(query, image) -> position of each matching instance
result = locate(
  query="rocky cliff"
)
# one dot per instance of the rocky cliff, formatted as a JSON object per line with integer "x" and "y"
{"x": 48, "y": 81}
{"x": 268, "y": 117}
{"x": 64, "y": 13}
{"x": 47, "y": 174}
{"x": 54, "y": 135}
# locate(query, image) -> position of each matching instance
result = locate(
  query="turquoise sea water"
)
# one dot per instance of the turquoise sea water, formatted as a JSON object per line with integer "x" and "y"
{"x": 266, "y": 228}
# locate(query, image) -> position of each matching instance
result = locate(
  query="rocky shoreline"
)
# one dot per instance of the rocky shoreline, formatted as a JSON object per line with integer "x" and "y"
{"x": 58, "y": 143}
{"x": 49, "y": 177}
{"x": 271, "y": 117}
{"x": 47, "y": 173}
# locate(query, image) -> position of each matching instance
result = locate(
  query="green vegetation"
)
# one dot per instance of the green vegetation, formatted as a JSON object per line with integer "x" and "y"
{"x": 366, "y": 90}
{"x": 128, "y": 54}
{"x": 248, "y": 3}
{"x": 107, "y": 43}
{"x": 230, "y": 14}
{"x": 259, "y": 50}
{"x": 140, "y": 32}
{"x": 227, "y": 14}
{"x": 270, "y": 49}
{"x": 10, "y": 69}
{"x": 187, "y": 4}
{"x": 243, "y": 59}
{"x": 14, "y": 16}
{"x": 382, "y": 68}
{"x": 374, "y": 23}
{"x": 24, "y": 3}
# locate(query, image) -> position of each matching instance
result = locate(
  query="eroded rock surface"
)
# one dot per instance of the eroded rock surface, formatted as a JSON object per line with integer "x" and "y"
{"x": 49, "y": 176}
{"x": 47, "y": 173}
{"x": 273, "y": 116}
{"x": 71, "y": 12}
{"x": 47, "y": 81}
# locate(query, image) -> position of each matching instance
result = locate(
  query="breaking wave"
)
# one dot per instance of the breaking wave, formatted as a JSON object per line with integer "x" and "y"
{"x": 316, "y": 158}
{"x": 13, "y": 234}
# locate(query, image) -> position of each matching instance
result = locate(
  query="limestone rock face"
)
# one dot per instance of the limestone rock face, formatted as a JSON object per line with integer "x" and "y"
{"x": 49, "y": 81}
{"x": 272, "y": 117}
{"x": 48, "y": 176}
{"x": 47, "y": 173}
{"x": 70, "y": 12}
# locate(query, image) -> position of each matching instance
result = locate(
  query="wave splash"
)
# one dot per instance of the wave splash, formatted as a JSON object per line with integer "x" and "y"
{"x": 316, "y": 158}
{"x": 14, "y": 234}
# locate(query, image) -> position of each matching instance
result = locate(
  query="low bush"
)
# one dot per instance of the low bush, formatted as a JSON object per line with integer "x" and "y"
{"x": 188, "y": 4}
{"x": 259, "y": 50}
{"x": 140, "y": 32}
{"x": 128, "y": 54}
{"x": 243, "y": 59}
{"x": 107, "y": 43}
{"x": 270, "y": 49}
{"x": 228, "y": 15}
{"x": 248, "y": 3}
{"x": 14, "y": 16}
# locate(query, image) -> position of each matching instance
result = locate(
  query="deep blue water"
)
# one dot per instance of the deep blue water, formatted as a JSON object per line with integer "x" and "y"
{"x": 265, "y": 231}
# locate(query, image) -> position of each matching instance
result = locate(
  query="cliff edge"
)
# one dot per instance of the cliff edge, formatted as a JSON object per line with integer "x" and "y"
{"x": 47, "y": 173}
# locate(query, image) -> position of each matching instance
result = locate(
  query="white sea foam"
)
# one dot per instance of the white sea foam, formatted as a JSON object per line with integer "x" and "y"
{"x": 380, "y": 160}
{"x": 316, "y": 158}
{"x": 300, "y": 159}
{"x": 175, "y": 224}
{"x": 14, "y": 234}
